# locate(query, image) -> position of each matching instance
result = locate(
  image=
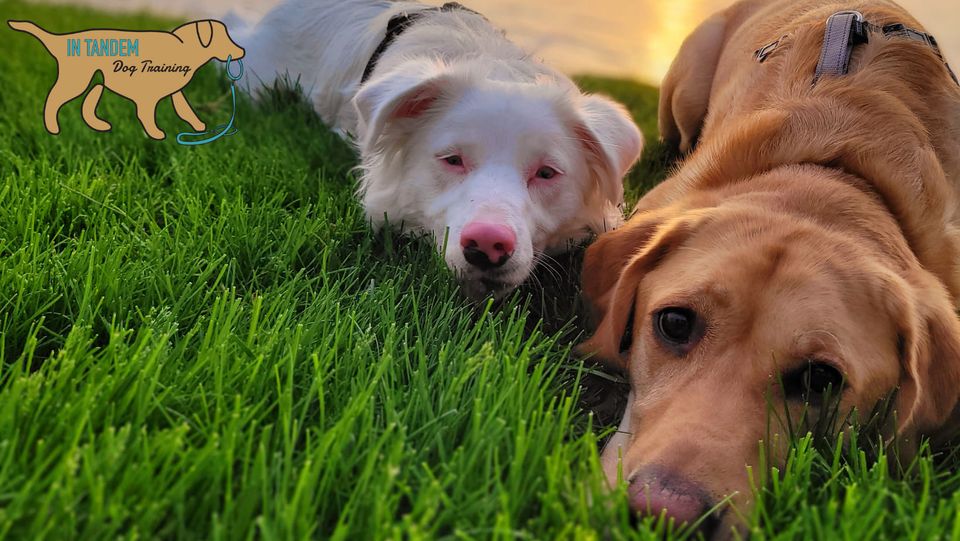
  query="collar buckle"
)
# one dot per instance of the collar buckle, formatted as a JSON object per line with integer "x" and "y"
{"x": 762, "y": 53}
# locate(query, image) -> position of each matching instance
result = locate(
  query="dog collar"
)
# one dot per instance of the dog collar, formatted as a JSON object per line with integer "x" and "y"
{"x": 847, "y": 29}
{"x": 397, "y": 25}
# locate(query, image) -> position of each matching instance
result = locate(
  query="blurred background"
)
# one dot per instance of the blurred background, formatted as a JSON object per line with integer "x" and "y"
{"x": 626, "y": 38}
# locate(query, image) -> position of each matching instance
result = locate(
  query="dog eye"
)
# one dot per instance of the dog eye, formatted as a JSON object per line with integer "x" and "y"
{"x": 675, "y": 325}
{"x": 813, "y": 381}
{"x": 454, "y": 160}
{"x": 546, "y": 172}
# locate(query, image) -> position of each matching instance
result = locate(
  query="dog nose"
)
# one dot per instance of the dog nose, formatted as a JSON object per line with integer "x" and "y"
{"x": 654, "y": 491}
{"x": 487, "y": 246}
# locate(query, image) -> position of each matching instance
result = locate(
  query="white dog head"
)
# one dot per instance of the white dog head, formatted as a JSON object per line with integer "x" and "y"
{"x": 500, "y": 171}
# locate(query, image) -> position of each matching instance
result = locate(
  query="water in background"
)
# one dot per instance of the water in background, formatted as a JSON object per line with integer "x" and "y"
{"x": 632, "y": 38}
{"x": 640, "y": 37}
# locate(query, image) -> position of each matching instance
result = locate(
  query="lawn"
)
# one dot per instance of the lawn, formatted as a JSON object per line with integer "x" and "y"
{"x": 211, "y": 343}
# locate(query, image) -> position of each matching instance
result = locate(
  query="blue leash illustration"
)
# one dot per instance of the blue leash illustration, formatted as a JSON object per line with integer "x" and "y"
{"x": 222, "y": 129}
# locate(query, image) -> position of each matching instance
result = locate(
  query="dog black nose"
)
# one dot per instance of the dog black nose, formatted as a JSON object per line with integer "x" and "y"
{"x": 480, "y": 259}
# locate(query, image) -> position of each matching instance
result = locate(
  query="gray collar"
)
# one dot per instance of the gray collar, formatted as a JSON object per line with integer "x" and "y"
{"x": 846, "y": 30}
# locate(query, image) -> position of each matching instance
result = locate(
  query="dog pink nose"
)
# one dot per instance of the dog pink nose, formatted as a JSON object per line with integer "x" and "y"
{"x": 487, "y": 245}
{"x": 654, "y": 491}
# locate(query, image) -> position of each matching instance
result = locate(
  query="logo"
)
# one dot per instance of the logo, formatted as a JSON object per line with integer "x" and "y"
{"x": 142, "y": 66}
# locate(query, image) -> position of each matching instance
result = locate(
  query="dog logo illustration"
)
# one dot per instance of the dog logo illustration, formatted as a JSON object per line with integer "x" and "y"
{"x": 142, "y": 66}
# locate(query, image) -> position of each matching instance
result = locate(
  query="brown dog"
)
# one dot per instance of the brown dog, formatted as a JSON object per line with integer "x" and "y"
{"x": 809, "y": 245}
{"x": 144, "y": 67}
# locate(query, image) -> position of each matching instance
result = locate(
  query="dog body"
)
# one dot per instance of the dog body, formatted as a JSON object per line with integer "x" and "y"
{"x": 462, "y": 135}
{"x": 145, "y": 67}
{"x": 808, "y": 245}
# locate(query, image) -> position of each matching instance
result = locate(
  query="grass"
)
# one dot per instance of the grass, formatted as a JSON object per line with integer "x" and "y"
{"x": 210, "y": 343}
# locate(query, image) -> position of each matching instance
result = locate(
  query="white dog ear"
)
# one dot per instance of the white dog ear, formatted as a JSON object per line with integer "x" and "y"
{"x": 612, "y": 140}
{"x": 400, "y": 95}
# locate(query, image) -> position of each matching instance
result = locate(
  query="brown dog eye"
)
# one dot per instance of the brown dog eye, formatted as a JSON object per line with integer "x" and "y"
{"x": 813, "y": 381}
{"x": 821, "y": 377}
{"x": 675, "y": 325}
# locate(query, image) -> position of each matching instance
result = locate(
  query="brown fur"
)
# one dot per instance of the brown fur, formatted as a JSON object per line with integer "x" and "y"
{"x": 810, "y": 222}
{"x": 191, "y": 45}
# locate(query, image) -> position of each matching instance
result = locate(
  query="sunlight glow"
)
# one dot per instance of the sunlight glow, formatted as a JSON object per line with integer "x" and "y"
{"x": 675, "y": 21}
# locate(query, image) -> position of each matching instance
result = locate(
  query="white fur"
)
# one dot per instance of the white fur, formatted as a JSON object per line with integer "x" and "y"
{"x": 452, "y": 83}
{"x": 611, "y": 458}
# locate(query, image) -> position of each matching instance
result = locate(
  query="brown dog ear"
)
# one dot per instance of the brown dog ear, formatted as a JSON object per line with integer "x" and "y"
{"x": 205, "y": 32}
{"x": 930, "y": 382}
{"x": 685, "y": 90}
{"x": 612, "y": 271}
{"x": 607, "y": 257}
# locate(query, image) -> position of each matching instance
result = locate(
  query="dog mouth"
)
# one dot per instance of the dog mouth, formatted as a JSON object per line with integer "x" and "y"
{"x": 656, "y": 491}
{"x": 708, "y": 526}
{"x": 479, "y": 284}
{"x": 494, "y": 285}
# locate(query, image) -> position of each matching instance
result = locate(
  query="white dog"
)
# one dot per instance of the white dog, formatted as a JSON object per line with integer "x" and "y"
{"x": 461, "y": 133}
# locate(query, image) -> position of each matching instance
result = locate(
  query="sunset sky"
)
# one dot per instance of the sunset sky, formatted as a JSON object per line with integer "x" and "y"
{"x": 639, "y": 38}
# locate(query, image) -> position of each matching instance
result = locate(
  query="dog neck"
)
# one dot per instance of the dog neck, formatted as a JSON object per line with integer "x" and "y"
{"x": 907, "y": 177}
{"x": 397, "y": 25}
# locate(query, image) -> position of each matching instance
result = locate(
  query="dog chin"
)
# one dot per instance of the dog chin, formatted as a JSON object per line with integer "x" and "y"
{"x": 479, "y": 289}
{"x": 479, "y": 286}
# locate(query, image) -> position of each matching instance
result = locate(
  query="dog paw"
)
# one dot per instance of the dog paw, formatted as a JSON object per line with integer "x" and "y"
{"x": 99, "y": 125}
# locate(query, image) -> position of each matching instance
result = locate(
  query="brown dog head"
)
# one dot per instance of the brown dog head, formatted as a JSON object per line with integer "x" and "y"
{"x": 210, "y": 38}
{"x": 731, "y": 313}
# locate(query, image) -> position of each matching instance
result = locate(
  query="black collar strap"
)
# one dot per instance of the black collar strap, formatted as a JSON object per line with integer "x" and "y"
{"x": 847, "y": 29}
{"x": 397, "y": 25}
